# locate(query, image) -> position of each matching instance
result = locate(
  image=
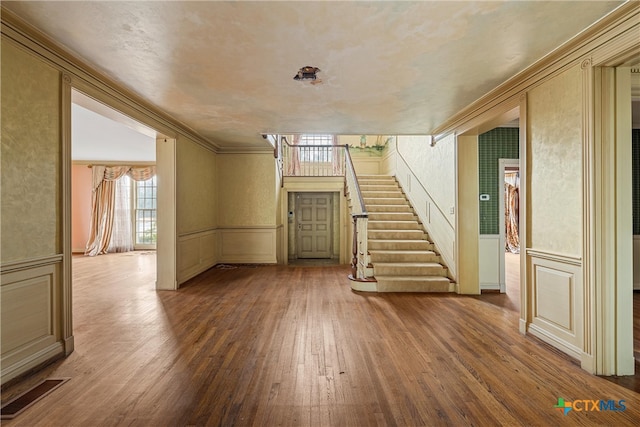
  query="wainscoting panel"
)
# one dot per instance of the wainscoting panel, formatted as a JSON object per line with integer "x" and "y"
{"x": 30, "y": 315}
{"x": 197, "y": 252}
{"x": 248, "y": 245}
{"x": 489, "y": 259}
{"x": 556, "y": 300}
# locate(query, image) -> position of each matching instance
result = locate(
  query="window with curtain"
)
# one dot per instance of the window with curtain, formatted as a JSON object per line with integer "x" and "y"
{"x": 111, "y": 209}
{"x": 145, "y": 213}
{"x": 121, "y": 236}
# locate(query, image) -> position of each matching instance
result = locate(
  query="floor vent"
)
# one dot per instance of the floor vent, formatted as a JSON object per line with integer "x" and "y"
{"x": 18, "y": 404}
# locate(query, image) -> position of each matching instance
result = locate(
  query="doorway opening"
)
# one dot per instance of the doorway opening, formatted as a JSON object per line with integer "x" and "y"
{"x": 113, "y": 188}
{"x": 509, "y": 204}
{"x": 499, "y": 213}
{"x": 314, "y": 234}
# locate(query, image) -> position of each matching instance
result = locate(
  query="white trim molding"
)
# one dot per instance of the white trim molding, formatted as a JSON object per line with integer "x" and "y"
{"x": 32, "y": 321}
{"x": 555, "y": 295}
{"x": 253, "y": 245}
{"x": 196, "y": 253}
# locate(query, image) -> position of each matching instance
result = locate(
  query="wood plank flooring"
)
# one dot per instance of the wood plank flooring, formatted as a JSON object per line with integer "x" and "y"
{"x": 295, "y": 346}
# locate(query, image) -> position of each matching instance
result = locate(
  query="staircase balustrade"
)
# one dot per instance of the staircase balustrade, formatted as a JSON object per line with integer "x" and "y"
{"x": 360, "y": 218}
{"x": 314, "y": 160}
{"x": 327, "y": 161}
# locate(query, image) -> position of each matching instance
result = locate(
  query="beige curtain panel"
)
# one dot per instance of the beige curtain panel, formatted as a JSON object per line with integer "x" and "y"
{"x": 511, "y": 212}
{"x": 103, "y": 202}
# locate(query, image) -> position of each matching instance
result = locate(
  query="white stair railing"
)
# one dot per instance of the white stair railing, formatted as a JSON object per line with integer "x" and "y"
{"x": 313, "y": 160}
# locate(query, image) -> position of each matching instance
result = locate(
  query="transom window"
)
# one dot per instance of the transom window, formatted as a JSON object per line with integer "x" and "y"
{"x": 316, "y": 154}
{"x": 311, "y": 139}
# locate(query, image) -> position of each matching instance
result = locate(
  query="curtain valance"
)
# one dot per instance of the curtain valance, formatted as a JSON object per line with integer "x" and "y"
{"x": 113, "y": 173}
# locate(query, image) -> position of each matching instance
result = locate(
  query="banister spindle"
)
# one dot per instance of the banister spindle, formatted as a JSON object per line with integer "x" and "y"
{"x": 354, "y": 260}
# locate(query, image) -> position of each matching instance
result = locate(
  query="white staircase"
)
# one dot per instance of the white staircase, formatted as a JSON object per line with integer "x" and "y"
{"x": 401, "y": 256}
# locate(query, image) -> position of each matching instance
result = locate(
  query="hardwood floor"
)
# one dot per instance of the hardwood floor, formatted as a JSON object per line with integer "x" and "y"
{"x": 295, "y": 346}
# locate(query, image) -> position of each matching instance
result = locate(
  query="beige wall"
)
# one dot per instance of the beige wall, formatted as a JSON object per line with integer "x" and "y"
{"x": 428, "y": 178}
{"x": 555, "y": 163}
{"x": 435, "y": 167}
{"x": 31, "y": 213}
{"x": 196, "y": 209}
{"x": 246, "y": 190}
{"x": 247, "y": 209}
{"x": 196, "y": 197}
{"x": 81, "y": 177}
{"x": 31, "y": 145}
{"x": 552, "y": 246}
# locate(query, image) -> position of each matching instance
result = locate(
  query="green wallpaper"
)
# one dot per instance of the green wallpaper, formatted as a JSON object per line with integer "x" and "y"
{"x": 635, "y": 138}
{"x": 499, "y": 143}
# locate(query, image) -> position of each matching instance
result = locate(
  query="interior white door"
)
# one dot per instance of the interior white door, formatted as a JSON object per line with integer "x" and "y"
{"x": 314, "y": 225}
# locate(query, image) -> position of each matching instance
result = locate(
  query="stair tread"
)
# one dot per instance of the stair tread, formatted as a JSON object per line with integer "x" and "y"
{"x": 408, "y": 264}
{"x": 411, "y": 278}
{"x": 392, "y": 230}
{"x": 397, "y": 240}
{"x": 394, "y": 220}
{"x": 401, "y": 251}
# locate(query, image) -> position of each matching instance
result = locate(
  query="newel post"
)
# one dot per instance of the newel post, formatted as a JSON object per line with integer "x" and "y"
{"x": 354, "y": 260}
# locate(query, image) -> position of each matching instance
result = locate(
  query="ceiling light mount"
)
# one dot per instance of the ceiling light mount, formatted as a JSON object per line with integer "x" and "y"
{"x": 307, "y": 73}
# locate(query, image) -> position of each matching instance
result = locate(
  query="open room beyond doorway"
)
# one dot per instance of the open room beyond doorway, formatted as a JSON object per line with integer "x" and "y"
{"x": 498, "y": 158}
{"x": 113, "y": 161}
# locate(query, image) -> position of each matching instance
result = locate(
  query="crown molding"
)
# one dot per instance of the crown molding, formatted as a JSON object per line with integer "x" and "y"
{"x": 612, "y": 39}
{"x": 84, "y": 76}
{"x": 245, "y": 150}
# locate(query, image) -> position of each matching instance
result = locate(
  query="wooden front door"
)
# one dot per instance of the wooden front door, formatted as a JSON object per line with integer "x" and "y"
{"x": 314, "y": 225}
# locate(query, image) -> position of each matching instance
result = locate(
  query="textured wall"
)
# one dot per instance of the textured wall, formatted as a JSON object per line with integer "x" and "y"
{"x": 246, "y": 190}
{"x": 435, "y": 167}
{"x": 31, "y": 212}
{"x": 499, "y": 143}
{"x": 636, "y": 180}
{"x": 80, "y": 206}
{"x": 195, "y": 187}
{"x": 555, "y": 163}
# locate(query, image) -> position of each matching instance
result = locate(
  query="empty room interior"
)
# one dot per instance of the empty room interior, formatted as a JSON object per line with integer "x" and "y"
{"x": 320, "y": 213}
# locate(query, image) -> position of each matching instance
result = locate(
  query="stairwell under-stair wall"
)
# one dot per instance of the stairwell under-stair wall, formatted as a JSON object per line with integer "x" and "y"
{"x": 427, "y": 176}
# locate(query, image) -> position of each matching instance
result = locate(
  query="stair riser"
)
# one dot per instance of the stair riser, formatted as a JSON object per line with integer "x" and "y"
{"x": 373, "y": 196}
{"x": 417, "y": 245}
{"x": 383, "y": 178}
{"x": 401, "y": 216}
{"x": 401, "y": 270}
{"x": 388, "y": 208}
{"x": 391, "y": 188}
{"x": 396, "y": 235}
{"x": 393, "y": 225}
{"x": 397, "y": 201}
{"x": 413, "y": 257}
{"x": 391, "y": 285}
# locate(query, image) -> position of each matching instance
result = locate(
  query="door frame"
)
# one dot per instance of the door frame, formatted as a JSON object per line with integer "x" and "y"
{"x": 319, "y": 185}
{"x": 329, "y": 197}
{"x": 607, "y": 245}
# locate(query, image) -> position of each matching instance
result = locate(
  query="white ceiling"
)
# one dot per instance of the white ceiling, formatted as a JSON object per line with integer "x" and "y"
{"x": 226, "y": 69}
{"x": 99, "y": 133}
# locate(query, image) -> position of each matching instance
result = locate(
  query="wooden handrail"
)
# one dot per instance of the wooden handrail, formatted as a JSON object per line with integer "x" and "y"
{"x": 352, "y": 169}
